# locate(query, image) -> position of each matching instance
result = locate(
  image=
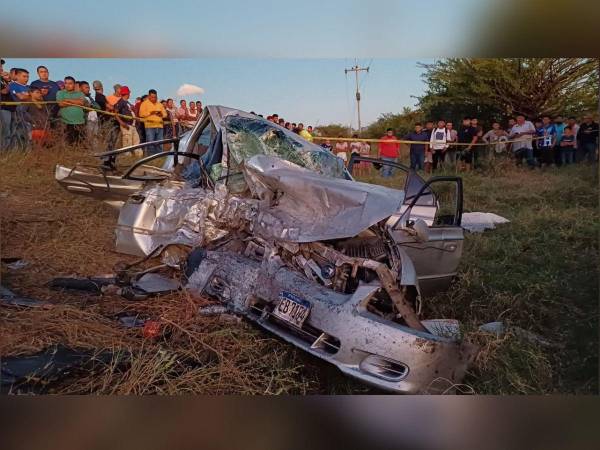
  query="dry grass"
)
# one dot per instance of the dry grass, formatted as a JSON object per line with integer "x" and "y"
{"x": 60, "y": 234}
{"x": 539, "y": 273}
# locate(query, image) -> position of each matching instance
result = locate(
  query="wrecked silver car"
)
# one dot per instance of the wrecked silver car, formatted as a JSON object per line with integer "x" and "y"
{"x": 279, "y": 231}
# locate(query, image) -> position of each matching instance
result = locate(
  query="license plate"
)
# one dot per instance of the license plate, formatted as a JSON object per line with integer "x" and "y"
{"x": 292, "y": 309}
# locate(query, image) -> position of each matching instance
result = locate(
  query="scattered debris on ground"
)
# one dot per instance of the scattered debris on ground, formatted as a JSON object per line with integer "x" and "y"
{"x": 28, "y": 373}
{"x": 8, "y": 297}
{"x": 15, "y": 263}
{"x": 499, "y": 329}
{"x": 478, "y": 222}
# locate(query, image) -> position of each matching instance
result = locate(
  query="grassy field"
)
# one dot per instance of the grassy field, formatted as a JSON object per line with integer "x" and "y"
{"x": 539, "y": 273}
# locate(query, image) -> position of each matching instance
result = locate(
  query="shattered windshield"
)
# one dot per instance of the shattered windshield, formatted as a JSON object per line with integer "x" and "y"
{"x": 247, "y": 137}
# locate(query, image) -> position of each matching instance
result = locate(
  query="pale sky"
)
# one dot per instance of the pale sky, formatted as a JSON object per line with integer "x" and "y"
{"x": 313, "y": 91}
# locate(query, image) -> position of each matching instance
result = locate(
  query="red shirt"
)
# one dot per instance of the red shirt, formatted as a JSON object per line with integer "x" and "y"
{"x": 389, "y": 149}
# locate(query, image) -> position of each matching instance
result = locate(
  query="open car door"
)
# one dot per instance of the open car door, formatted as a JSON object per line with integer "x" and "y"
{"x": 428, "y": 225}
{"x": 114, "y": 184}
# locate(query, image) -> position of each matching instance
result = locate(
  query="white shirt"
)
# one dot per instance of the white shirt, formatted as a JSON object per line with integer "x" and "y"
{"x": 439, "y": 139}
{"x": 355, "y": 147}
{"x": 575, "y": 129}
{"x": 522, "y": 141}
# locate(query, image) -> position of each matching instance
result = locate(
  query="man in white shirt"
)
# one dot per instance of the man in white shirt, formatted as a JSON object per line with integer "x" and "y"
{"x": 522, "y": 132}
{"x": 439, "y": 143}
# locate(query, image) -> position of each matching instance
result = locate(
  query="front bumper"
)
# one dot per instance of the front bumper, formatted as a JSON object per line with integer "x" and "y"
{"x": 339, "y": 328}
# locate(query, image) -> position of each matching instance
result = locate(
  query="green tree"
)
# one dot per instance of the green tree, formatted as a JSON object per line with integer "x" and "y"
{"x": 502, "y": 87}
{"x": 401, "y": 123}
{"x": 333, "y": 130}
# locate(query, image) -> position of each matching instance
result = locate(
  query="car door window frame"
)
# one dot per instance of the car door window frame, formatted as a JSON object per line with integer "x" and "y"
{"x": 426, "y": 190}
{"x": 410, "y": 175}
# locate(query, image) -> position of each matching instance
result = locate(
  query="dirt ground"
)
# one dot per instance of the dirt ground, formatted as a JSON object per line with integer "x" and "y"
{"x": 538, "y": 272}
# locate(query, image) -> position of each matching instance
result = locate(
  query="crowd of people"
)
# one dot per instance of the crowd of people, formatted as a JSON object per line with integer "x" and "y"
{"x": 306, "y": 133}
{"x": 49, "y": 108}
{"x": 545, "y": 142}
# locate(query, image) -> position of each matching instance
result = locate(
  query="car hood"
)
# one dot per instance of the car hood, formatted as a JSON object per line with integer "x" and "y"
{"x": 313, "y": 207}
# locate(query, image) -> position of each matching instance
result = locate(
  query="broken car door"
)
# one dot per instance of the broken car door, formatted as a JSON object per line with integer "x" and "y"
{"x": 436, "y": 247}
{"x": 115, "y": 183}
{"x": 435, "y": 206}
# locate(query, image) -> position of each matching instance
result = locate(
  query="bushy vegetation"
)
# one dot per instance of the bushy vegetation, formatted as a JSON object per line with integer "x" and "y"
{"x": 495, "y": 89}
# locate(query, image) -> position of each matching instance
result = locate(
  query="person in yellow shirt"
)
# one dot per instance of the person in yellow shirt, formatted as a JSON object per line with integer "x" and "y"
{"x": 153, "y": 115}
{"x": 305, "y": 134}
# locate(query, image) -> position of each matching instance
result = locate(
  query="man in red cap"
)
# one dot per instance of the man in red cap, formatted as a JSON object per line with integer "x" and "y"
{"x": 125, "y": 118}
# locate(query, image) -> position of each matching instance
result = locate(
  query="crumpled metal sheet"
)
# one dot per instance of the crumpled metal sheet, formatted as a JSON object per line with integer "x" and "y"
{"x": 300, "y": 205}
{"x": 180, "y": 215}
{"x": 291, "y": 203}
{"x": 160, "y": 220}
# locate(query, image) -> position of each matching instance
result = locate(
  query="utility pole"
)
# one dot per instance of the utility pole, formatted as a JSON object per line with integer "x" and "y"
{"x": 357, "y": 69}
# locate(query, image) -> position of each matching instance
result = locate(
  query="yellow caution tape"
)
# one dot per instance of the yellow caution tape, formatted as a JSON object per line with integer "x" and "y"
{"x": 395, "y": 141}
{"x": 402, "y": 141}
{"x": 108, "y": 113}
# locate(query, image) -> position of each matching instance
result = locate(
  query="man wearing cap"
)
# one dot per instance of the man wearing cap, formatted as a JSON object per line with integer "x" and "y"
{"x": 100, "y": 99}
{"x": 153, "y": 114}
{"x": 129, "y": 134}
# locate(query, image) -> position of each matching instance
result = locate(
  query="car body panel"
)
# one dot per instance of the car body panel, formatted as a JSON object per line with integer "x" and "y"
{"x": 94, "y": 183}
{"x": 436, "y": 260}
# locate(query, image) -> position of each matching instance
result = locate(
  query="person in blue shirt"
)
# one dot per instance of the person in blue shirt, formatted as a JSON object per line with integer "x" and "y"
{"x": 44, "y": 82}
{"x": 19, "y": 92}
{"x": 417, "y": 151}
{"x": 18, "y": 89}
{"x": 547, "y": 143}
{"x": 49, "y": 88}
{"x": 539, "y": 132}
{"x": 567, "y": 145}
